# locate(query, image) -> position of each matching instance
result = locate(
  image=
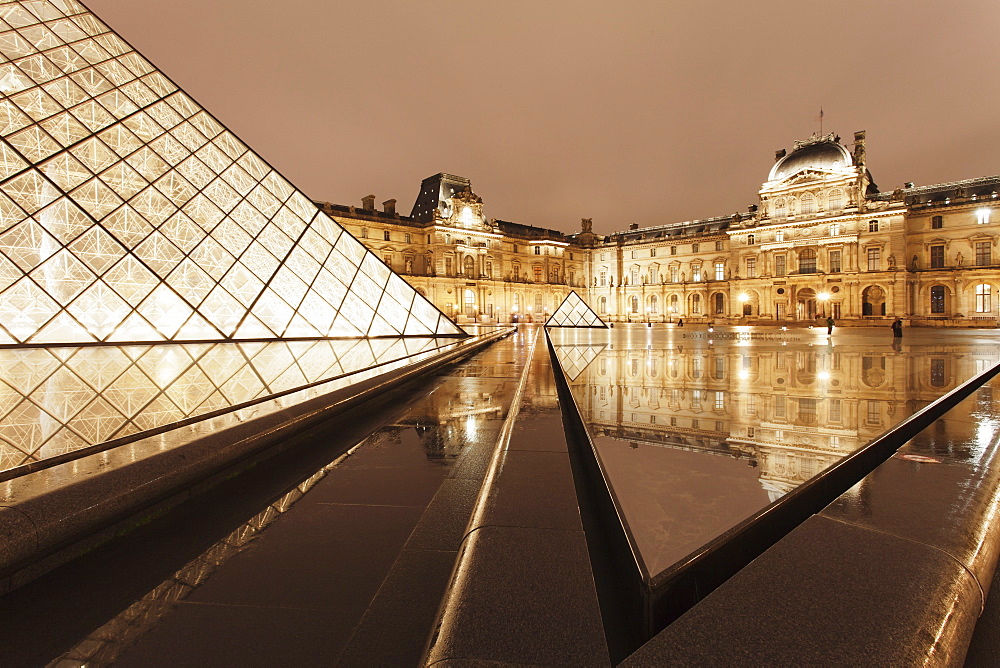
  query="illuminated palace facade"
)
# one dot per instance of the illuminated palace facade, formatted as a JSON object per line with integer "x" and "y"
{"x": 822, "y": 241}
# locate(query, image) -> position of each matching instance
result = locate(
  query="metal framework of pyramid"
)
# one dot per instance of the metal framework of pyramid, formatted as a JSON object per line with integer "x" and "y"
{"x": 128, "y": 213}
{"x": 574, "y": 312}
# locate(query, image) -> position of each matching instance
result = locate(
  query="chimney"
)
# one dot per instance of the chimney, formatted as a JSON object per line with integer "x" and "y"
{"x": 633, "y": 226}
{"x": 368, "y": 203}
{"x": 389, "y": 206}
{"x": 779, "y": 154}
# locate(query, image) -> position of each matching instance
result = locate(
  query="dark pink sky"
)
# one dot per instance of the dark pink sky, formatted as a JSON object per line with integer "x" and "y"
{"x": 649, "y": 112}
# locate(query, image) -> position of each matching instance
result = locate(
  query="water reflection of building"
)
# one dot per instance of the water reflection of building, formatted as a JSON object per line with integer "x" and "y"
{"x": 792, "y": 412}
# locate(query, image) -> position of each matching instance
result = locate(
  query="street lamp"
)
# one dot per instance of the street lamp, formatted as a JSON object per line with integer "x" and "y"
{"x": 823, "y": 298}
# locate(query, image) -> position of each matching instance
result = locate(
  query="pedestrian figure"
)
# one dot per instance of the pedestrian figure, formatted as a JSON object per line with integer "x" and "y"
{"x": 829, "y": 325}
{"x": 897, "y": 329}
{"x": 680, "y": 322}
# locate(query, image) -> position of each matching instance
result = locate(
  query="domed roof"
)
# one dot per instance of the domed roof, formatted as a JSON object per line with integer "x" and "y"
{"x": 825, "y": 154}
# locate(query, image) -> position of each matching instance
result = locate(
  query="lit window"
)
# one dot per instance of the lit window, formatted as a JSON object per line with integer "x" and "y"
{"x": 835, "y": 265}
{"x": 937, "y": 299}
{"x": 720, "y": 271}
{"x": 779, "y": 265}
{"x": 983, "y": 253}
{"x": 834, "y": 229}
{"x": 779, "y": 236}
{"x": 983, "y": 298}
{"x": 983, "y": 216}
{"x": 673, "y": 274}
{"x": 696, "y": 273}
{"x": 873, "y": 226}
{"x": 751, "y": 267}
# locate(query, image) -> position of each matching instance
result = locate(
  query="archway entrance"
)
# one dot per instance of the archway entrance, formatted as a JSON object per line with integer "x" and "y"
{"x": 873, "y": 301}
{"x": 805, "y": 308}
{"x": 470, "y": 303}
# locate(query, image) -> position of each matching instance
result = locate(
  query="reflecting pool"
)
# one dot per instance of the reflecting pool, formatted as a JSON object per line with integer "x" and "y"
{"x": 699, "y": 430}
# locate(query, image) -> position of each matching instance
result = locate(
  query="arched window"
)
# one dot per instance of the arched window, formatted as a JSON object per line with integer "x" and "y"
{"x": 808, "y": 203}
{"x": 602, "y": 305}
{"x": 779, "y": 208}
{"x": 807, "y": 261}
{"x": 836, "y": 199}
{"x": 653, "y": 304}
{"x": 696, "y": 304}
{"x": 937, "y": 299}
{"x": 469, "y": 266}
{"x": 470, "y": 303}
{"x": 673, "y": 303}
{"x": 983, "y": 298}
{"x": 515, "y": 303}
{"x": 538, "y": 302}
{"x": 720, "y": 303}
{"x": 634, "y": 304}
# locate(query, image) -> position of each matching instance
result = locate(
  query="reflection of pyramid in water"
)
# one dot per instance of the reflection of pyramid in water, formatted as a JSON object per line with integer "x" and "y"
{"x": 574, "y": 312}
{"x": 128, "y": 213}
{"x": 574, "y": 359}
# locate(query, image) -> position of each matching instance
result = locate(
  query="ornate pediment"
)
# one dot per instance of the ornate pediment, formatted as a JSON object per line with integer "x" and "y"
{"x": 464, "y": 209}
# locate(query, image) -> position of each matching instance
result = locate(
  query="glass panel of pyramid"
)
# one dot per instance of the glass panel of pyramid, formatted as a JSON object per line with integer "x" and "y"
{"x": 574, "y": 312}
{"x": 128, "y": 213}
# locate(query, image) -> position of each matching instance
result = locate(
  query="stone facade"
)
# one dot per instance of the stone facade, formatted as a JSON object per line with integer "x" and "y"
{"x": 822, "y": 242}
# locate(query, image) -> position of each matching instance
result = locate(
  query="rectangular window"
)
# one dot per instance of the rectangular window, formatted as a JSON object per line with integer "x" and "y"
{"x": 695, "y": 273}
{"x": 364, "y": 232}
{"x": 633, "y": 255}
{"x": 673, "y": 250}
{"x": 872, "y": 416}
{"x": 779, "y": 265}
{"x": 751, "y": 267}
{"x": 694, "y": 248}
{"x": 779, "y": 236}
{"x": 779, "y": 407}
{"x": 388, "y": 260}
{"x": 983, "y": 300}
{"x": 604, "y": 278}
{"x": 834, "y": 229}
{"x": 937, "y": 257}
{"x": 873, "y": 226}
{"x": 385, "y": 235}
{"x": 720, "y": 271}
{"x": 406, "y": 237}
{"x": 835, "y": 415}
{"x": 751, "y": 240}
{"x": 720, "y": 401}
{"x": 937, "y": 372}
{"x": 983, "y": 253}
{"x": 937, "y": 222}
{"x": 538, "y": 250}
{"x": 835, "y": 266}
{"x": 718, "y": 245}
{"x": 652, "y": 252}
{"x": 937, "y": 299}
{"x": 673, "y": 274}
{"x": 874, "y": 259}
{"x": 983, "y": 216}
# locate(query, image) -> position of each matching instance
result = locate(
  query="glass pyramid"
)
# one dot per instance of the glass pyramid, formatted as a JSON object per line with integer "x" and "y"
{"x": 574, "y": 312}
{"x": 128, "y": 213}
{"x": 574, "y": 359}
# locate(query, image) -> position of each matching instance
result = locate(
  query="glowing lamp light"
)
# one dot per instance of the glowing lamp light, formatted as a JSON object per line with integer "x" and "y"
{"x": 823, "y": 296}
{"x": 743, "y": 297}
{"x": 823, "y": 375}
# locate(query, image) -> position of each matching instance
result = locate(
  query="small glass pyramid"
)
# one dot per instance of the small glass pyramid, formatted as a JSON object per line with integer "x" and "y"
{"x": 128, "y": 213}
{"x": 574, "y": 312}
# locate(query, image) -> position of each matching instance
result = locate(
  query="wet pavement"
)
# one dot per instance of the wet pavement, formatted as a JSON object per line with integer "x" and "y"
{"x": 301, "y": 561}
{"x": 697, "y": 430}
